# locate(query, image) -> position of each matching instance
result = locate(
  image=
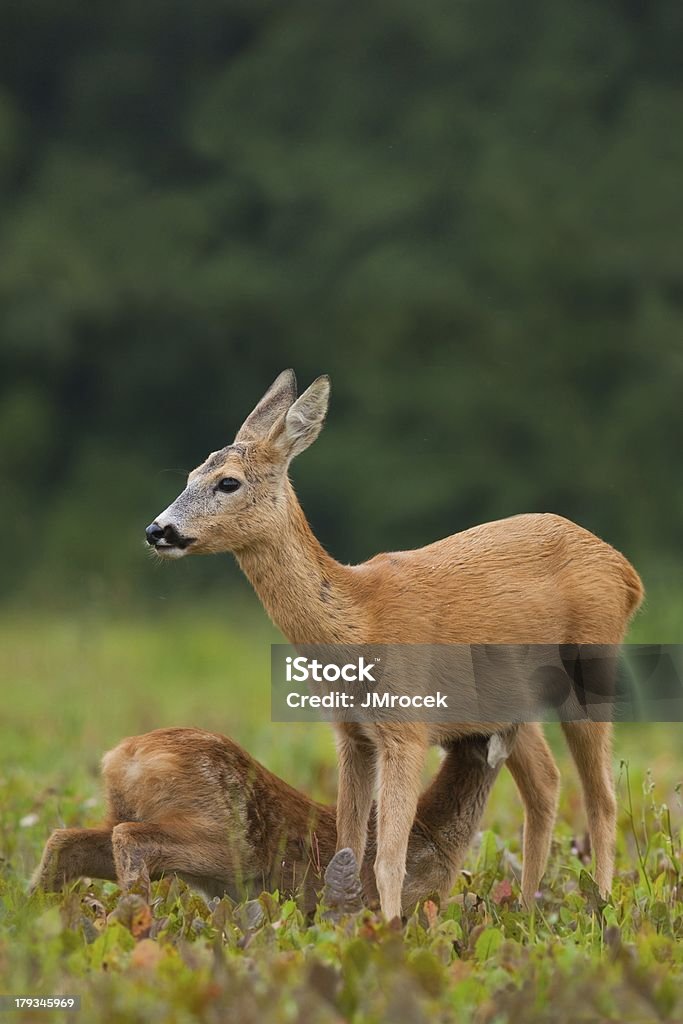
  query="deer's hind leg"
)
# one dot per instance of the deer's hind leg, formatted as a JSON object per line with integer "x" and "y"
{"x": 537, "y": 778}
{"x": 72, "y": 853}
{"x": 590, "y": 744}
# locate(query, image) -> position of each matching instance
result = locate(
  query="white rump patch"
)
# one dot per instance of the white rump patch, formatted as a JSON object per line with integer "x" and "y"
{"x": 498, "y": 752}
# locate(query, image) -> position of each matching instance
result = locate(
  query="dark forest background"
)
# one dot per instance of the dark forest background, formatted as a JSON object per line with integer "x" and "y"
{"x": 468, "y": 213}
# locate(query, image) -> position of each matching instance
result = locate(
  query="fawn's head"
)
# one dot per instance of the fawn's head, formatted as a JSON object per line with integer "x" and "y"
{"x": 237, "y": 497}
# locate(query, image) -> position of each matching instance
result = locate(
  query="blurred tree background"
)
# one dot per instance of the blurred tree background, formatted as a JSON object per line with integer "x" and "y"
{"x": 468, "y": 213}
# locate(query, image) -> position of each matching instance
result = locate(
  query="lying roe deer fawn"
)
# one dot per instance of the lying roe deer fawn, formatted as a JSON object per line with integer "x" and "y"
{"x": 528, "y": 579}
{"x": 195, "y": 803}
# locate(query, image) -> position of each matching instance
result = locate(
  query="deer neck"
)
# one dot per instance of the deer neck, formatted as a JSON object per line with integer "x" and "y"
{"x": 307, "y": 594}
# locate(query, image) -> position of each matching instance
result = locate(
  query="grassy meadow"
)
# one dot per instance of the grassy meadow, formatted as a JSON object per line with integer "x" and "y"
{"x": 72, "y": 685}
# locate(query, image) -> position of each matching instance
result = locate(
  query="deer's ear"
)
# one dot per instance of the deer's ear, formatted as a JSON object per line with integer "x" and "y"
{"x": 272, "y": 408}
{"x": 304, "y": 419}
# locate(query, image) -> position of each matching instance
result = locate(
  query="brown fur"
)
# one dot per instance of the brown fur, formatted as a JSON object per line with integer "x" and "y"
{"x": 528, "y": 579}
{"x": 195, "y": 803}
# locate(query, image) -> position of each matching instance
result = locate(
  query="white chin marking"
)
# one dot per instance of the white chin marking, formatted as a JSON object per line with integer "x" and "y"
{"x": 170, "y": 552}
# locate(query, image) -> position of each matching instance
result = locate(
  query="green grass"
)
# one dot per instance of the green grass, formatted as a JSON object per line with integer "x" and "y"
{"x": 73, "y": 686}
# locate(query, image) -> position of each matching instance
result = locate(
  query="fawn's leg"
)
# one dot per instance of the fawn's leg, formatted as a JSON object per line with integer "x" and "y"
{"x": 537, "y": 778}
{"x": 73, "y": 852}
{"x": 590, "y": 744}
{"x": 144, "y": 848}
{"x": 357, "y": 762}
{"x": 400, "y": 771}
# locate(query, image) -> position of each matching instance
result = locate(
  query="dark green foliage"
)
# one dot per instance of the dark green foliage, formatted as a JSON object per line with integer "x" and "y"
{"x": 469, "y": 214}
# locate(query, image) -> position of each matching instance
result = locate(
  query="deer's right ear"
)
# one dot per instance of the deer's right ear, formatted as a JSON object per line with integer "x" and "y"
{"x": 278, "y": 398}
{"x": 304, "y": 419}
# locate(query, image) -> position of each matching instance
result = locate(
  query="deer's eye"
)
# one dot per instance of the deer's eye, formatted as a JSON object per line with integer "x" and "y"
{"x": 228, "y": 484}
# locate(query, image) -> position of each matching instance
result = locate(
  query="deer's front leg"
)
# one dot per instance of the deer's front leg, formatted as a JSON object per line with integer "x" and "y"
{"x": 356, "y": 755}
{"x": 148, "y": 850}
{"x": 72, "y": 853}
{"x": 401, "y": 759}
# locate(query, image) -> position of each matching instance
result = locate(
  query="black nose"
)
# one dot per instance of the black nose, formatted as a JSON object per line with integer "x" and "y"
{"x": 154, "y": 533}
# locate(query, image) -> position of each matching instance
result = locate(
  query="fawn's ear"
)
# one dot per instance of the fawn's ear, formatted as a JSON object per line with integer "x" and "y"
{"x": 271, "y": 409}
{"x": 303, "y": 420}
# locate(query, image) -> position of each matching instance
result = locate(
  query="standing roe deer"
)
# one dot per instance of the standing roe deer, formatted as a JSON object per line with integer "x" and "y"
{"x": 529, "y": 579}
{"x": 195, "y": 803}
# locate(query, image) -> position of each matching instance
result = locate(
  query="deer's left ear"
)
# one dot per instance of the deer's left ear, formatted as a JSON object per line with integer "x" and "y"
{"x": 304, "y": 419}
{"x": 270, "y": 410}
